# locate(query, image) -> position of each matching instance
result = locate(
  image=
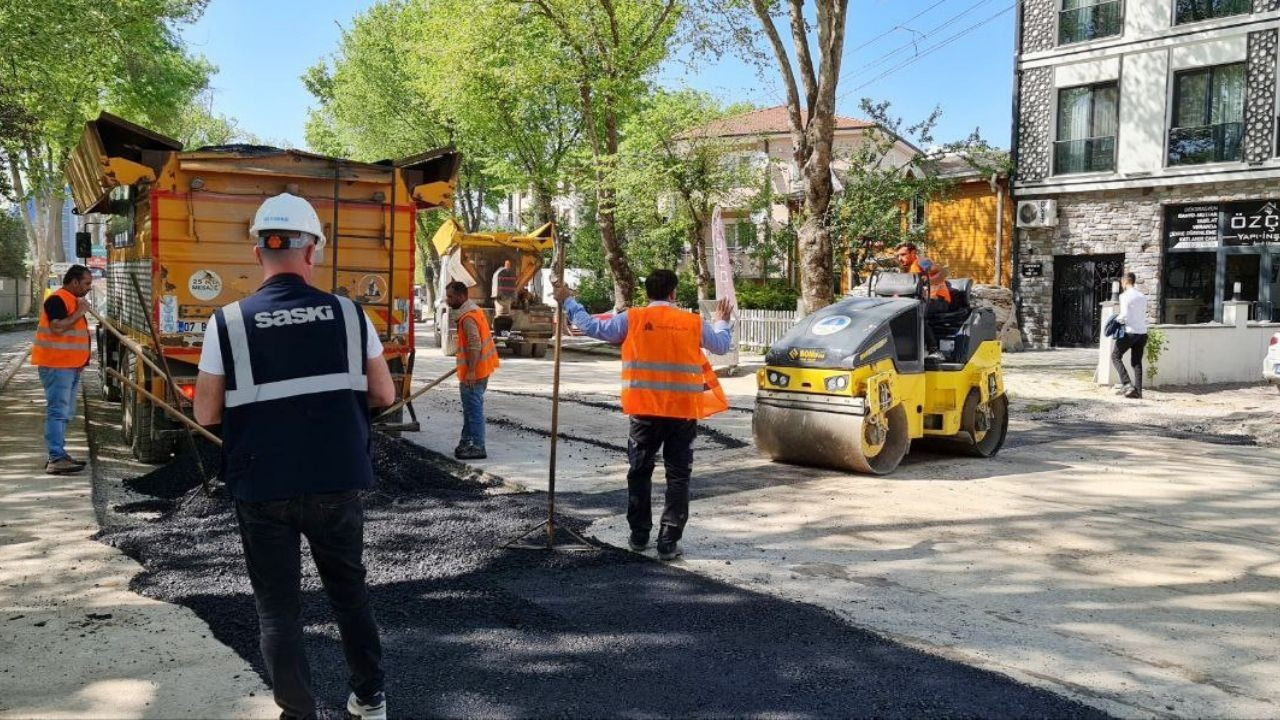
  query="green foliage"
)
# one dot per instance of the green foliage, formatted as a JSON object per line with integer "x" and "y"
{"x": 885, "y": 179}
{"x": 1155, "y": 346}
{"x": 669, "y": 181}
{"x": 773, "y": 295}
{"x": 13, "y": 247}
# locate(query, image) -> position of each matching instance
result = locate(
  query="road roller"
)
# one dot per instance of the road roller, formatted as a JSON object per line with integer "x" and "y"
{"x": 852, "y": 385}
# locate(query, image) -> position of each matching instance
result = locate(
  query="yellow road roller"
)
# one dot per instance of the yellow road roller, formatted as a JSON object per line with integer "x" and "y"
{"x": 852, "y": 385}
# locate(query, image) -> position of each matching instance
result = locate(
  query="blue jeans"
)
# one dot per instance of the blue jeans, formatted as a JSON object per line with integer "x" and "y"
{"x": 473, "y": 412}
{"x": 60, "y": 388}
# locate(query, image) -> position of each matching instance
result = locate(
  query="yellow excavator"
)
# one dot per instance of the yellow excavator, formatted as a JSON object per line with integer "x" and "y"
{"x": 851, "y": 385}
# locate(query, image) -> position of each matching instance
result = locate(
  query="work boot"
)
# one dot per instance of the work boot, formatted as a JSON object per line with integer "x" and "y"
{"x": 669, "y": 551}
{"x": 372, "y": 708}
{"x": 62, "y": 466}
{"x": 81, "y": 463}
{"x": 638, "y": 541}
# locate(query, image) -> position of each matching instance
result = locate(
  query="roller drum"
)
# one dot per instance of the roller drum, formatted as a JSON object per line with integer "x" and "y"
{"x": 798, "y": 433}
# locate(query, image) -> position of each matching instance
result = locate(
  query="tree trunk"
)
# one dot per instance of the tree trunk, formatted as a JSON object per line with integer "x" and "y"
{"x": 701, "y": 271}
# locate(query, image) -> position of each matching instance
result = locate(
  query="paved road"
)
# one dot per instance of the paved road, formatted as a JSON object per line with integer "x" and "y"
{"x": 1113, "y": 552}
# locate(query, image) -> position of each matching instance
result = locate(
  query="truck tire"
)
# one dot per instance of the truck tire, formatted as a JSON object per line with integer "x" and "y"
{"x": 148, "y": 445}
{"x": 110, "y": 389}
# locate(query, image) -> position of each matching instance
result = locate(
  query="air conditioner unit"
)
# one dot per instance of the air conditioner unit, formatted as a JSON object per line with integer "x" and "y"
{"x": 1037, "y": 213}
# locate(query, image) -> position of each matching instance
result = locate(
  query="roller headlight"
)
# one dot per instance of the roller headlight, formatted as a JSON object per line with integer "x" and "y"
{"x": 778, "y": 379}
{"x": 837, "y": 383}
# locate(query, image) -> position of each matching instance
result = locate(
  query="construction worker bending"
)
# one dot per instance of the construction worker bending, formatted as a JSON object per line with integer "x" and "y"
{"x": 667, "y": 387}
{"x": 477, "y": 359}
{"x": 60, "y": 353}
{"x": 290, "y": 372}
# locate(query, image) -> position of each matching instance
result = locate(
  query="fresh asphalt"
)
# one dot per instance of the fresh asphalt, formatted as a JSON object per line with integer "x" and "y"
{"x": 471, "y": 629}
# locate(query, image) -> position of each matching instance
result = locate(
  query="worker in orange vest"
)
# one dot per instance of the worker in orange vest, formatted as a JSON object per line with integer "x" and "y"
{"x": 61, "y": 352}
{"x": 667, "y": 387}
{"x": 477, "y": 359}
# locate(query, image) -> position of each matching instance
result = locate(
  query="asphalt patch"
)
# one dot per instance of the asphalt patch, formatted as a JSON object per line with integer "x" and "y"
{"x": 470, "y": 628}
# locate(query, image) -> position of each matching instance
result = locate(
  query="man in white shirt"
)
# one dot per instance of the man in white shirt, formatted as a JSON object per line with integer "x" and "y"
{"x": 1133, "y": 315}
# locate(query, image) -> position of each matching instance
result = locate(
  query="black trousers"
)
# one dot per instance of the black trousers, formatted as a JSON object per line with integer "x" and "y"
{"x": 1135, "y": 345}
{"x": 333, "y": 524}
{"x": 674, "y": 437}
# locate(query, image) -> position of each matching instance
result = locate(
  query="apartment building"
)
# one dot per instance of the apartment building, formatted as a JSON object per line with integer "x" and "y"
{"x": 1145, "y": 140}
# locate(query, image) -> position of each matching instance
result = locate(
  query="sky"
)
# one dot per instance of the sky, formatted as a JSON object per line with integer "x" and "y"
{"x": 915, "y": 54}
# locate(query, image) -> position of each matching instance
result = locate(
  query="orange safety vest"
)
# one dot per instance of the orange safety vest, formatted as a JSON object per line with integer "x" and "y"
{"x": 488, "y": 351}
{"x": 664, "y": 373}
{"x": 67, "y": 349}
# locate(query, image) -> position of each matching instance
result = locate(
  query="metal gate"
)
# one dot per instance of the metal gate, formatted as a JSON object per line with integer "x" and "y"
{"x": 1080, "y": 284}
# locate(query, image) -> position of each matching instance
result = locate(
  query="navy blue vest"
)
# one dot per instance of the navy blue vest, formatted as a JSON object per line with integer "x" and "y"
{"x": 296, "y": 418}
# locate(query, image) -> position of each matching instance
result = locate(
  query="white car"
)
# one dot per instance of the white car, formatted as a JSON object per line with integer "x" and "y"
{"x": 1271, "y": 363}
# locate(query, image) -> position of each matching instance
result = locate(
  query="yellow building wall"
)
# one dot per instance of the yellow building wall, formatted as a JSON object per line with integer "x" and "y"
{"x": 960, "y": 233}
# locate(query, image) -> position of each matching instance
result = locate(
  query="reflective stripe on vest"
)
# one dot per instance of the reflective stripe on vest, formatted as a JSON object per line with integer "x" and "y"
{"x": 66, "y": 349}
{"x": 247, "y": 391}
{"x": 488, "y": 361}
{"x": 664, "y": 373}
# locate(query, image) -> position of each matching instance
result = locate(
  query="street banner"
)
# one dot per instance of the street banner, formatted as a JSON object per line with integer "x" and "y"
{"x": 728, "y": 363}
{"x": 723, "y": 264}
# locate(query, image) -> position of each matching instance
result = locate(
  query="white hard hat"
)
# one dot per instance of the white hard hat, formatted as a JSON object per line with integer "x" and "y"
{"x": 288, "y": 213}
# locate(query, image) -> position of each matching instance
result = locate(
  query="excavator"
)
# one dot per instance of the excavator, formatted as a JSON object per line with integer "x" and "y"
{"x": 851, "y": 386}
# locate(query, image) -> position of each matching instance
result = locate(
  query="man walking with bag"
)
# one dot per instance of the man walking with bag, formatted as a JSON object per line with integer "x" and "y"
{"x": 1133, "y": 318}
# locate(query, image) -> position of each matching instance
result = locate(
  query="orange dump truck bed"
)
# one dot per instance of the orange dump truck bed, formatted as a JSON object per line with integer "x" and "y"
{"x": 178, "y": 227}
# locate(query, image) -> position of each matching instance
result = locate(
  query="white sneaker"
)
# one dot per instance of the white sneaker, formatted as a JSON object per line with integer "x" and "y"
{"x": 375, "y": 708}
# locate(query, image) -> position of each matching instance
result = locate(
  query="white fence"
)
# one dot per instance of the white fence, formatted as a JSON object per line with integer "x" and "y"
{"x": 759, "y": 329}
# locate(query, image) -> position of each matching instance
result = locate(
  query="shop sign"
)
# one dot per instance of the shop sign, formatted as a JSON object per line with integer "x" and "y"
{"x": 1192, "y": 227}
{"x": 1212, "y": 225}
{"x": 1251, "y": 223}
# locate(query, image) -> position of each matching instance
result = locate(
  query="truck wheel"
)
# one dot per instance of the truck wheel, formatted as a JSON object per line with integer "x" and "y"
{"x": 110, "y": 388}
{"x": 128, "y": 401}
{"x": 148, "y": 445}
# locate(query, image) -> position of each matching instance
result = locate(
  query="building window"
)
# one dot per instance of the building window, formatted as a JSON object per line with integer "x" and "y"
{"x": 1208, "y": 115}
{"x": 1189, "y": 285}
{"x": 1188, "y": 11}
{"x": 1087, "y": 118}
{"x": 1081, "y": 20}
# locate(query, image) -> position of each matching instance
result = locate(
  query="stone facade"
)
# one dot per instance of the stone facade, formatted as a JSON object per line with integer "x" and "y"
{"x": 1039, "y": 25}
{"x": 1260, "y": 102}
{"x": 1118, "y": 221}
{"x": 1035, "y": 108}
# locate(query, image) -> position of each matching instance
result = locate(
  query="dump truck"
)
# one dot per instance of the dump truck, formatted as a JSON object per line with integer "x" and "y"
{"x": 851, "y": 386}
{"x": 178, "y": 247}
{"x": 523, "y": 323}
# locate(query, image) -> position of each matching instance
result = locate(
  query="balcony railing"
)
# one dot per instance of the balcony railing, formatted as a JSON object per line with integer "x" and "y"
{"x": 1096, "y": 154}
{"x": 1090, "y": 22}
{"x": 1206, "y": 144}
{"x": 1197, "y": 10}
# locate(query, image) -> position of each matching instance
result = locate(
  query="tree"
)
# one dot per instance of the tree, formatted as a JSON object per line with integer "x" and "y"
{"x": 66, "y": 60}
{"x": 13, "y": 247}
{"x": 609, "y": 47}
{"x": 871, "y": 213}
{"x": 670, "y": 178}
{"x": 811, "y": 105}
{"x": 198, "y": 125}
{"x": 502, "y": 86}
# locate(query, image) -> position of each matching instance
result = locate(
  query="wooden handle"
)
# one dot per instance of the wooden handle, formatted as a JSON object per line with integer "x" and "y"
{"x": 176, "y": 414}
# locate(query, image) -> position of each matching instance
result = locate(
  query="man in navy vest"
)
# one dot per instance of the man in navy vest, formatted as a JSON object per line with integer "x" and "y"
{"x": 290, "y": 372}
